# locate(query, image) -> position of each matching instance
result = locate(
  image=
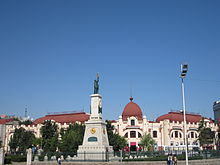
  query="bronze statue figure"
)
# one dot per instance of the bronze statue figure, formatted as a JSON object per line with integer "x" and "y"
{"x": 96, "y": 84}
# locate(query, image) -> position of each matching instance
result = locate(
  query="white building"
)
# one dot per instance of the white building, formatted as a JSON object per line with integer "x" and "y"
{"x": 167, "y": 130}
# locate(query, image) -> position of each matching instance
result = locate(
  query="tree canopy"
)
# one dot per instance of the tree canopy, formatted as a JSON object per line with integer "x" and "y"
{"x": 118, "y": 142}
{"x": 49, "y": 132}
{"x": 21, "y": 140}
{"x": 206, "y": 135}
{"x": 147, "y": 142}
{"x": 71, "y": 138}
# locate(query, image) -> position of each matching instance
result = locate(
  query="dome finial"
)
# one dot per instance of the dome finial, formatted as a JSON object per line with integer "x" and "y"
{"x": 131, "y": 98}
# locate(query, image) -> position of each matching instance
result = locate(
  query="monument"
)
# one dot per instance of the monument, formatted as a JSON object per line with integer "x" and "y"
{"x": 95, "y": 143}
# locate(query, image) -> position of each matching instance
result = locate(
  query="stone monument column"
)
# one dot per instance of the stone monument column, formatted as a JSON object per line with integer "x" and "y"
{"x": 29, "y": 156}
{"x": 95, "y": 143}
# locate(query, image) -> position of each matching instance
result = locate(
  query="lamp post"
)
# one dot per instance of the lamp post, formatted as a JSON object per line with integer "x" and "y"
{"x": 184, "y": 69}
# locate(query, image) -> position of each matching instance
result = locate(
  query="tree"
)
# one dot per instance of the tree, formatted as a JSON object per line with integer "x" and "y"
{"x": 49, "y": 132}
{"x": 38, "y": 142}
{"x": 71, "y": 138}
{"x": 206, "y": 135}
{"x": 118, "y": 142}
{"x": 21, "y": 140}
{"x": 147, "y": 142}
{"x": 26, "y": 122}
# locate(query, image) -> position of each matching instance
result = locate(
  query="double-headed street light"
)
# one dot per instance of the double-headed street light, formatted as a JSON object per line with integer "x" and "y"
{"x": 184, "y": 69}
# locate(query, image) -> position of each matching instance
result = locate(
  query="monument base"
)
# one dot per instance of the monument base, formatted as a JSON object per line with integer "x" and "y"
{"x": 95, "y": 153}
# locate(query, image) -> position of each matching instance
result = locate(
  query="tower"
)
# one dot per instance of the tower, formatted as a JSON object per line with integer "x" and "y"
{"x": 95, "y": 142}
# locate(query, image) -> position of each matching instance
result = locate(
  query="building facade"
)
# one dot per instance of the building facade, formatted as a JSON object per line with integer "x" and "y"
{"x": 167, "y": 130}
{"x": 62, "y": 120}
{"x": 216, "y": 109}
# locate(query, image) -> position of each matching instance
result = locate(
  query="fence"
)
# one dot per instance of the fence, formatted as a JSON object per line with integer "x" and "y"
{"x": 113, "y": 156}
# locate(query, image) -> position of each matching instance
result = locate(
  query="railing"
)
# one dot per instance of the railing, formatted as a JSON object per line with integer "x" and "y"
{"x": 114, "y": 156}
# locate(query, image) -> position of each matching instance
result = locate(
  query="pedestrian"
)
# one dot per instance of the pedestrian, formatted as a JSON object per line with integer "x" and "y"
{"x": 170, "y": 159}
{"x": 174, "y": 160}
{"x": 59, "y": 161}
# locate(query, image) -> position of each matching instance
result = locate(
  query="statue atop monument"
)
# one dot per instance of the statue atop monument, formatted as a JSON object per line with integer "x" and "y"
{"x": 96, "y": 84}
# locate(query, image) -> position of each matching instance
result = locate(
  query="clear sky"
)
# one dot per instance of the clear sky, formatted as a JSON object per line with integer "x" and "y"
{"x": 50, "y": 52}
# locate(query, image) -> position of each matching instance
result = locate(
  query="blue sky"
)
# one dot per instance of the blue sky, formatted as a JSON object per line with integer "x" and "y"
{"x": 50, "y": 52}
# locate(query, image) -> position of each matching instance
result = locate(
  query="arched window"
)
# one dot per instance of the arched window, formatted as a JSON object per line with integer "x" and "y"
{"x": 139, "y": 135}
{"x": 196, "y": 135}
{"x": 154, "y": 134}
{"x": 126, "y": 135}
{"x": 133, "y": 134}
{"x": 132, "y": 122}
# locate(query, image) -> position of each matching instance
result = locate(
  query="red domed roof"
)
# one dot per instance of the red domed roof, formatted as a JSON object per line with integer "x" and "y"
{"x": 178, "y": 116}
{"x": 132, "y": 109}
{"x": 64, "y": 118}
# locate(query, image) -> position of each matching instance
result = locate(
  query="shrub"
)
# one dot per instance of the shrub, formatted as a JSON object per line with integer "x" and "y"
{"x": 18, "y": 158}
{"x": 7, "y": 160}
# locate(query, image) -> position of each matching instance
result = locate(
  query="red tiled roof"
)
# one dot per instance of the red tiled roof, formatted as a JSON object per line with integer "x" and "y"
{"x": 132, "y": 109}
{"x": 64, "y": 118}
{"x": 4, "y": 121}
{"x": 152, "y": 122}
{"x": 178, "y": 116}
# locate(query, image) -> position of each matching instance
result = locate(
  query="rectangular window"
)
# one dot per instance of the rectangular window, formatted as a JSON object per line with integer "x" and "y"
{"x": 154, "y": 134}
{"x": 192, "y": 134}
{"x": 132, "y": 122}
{"x": 176, "y": 134}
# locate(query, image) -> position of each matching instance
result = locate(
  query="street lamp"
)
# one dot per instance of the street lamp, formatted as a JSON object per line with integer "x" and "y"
{"x": 184, "y": 69}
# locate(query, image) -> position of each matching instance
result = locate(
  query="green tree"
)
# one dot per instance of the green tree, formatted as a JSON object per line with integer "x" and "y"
{"x": 26, "y": 122}
{"x": 118, "y": 142}
{"x": 71, "y": 138}
{"x": 21, "y": 140}
{"x": 38, "y": 142}
{"x": 147, "y": 142}
{"x": 206, "y": 135}
{"x": 49, "y": 132}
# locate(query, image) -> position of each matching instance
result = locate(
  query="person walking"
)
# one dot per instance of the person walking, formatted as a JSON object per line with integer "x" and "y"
{"x": 170, "y": 160}
{"x": 59, "y": 161}
{"x": 174, "y": 160}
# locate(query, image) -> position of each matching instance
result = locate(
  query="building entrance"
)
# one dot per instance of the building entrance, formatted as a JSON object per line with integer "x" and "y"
{"x": 133, "y": 148}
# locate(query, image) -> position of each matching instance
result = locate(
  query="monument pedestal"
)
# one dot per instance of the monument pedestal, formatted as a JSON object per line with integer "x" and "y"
{"x": 95, "y": 143}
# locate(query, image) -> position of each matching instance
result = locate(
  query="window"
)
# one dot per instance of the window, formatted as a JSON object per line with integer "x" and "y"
{"x": 180, "y": 135}
{"x": 126, "y": 135}
{"x": 196, "y": 135}
{"x": 172, "y": 135}
{"x": 139, "y": 135}
{"x": 154, "y": 134}
{"x": 132, "y": 122}
{"x": 133, "y": 134}
{"x": 176, "y": 134}
{"x": 192, "y": 134}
